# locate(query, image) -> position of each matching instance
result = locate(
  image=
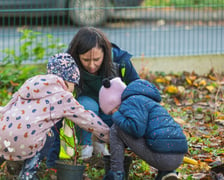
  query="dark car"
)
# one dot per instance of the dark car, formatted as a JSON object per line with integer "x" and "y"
{"x": 81, "y": 12}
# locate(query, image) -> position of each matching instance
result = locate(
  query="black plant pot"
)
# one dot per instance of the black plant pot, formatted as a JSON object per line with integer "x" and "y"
{"x": 127, "y": 163}
{"x": 68, "y": 171}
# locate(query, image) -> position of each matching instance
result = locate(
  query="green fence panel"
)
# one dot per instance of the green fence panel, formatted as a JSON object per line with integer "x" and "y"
{"x": 149, "y": 28}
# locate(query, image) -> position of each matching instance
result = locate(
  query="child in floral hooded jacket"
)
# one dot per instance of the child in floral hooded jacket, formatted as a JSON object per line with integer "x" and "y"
{"x": 43, "y": 100}
{"x": 142, "y": 124}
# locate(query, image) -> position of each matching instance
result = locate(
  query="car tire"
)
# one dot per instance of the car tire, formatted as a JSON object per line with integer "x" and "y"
{"x": 87, "y": 12}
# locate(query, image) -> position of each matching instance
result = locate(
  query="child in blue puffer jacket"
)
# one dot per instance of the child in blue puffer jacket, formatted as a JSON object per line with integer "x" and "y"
{"x": 142, "y": 124}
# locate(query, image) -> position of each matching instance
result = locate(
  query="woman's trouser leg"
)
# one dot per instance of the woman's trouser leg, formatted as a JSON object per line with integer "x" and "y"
{"x": 84, "y": 137}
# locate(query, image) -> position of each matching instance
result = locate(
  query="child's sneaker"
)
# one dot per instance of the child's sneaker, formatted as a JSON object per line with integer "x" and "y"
{"x": 167, "y": 175}
{"x": 28, "y": 176}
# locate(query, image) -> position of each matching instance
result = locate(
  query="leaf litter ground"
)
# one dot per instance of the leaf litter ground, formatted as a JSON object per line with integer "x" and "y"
{"x": 197, "y": 103}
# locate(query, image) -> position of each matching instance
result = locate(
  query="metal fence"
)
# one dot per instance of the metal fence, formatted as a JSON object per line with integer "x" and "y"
{"x": 142, "y": 29}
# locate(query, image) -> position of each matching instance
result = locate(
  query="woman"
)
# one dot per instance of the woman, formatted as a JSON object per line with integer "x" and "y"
{"x": 97, "y": 58}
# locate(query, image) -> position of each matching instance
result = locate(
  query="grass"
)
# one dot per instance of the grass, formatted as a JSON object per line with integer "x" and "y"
{"x": 184, "y": 3}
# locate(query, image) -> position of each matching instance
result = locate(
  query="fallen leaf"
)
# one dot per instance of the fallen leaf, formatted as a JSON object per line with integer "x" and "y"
{"x": 209, "y": 160}
{"x": 171, "y": 89}
{"x": 211, "y": 89}
{"x": 177, "y": 102}
{"x": 179, "y": 121}
{"x": 202, "y": 83}
{"x": 198, "y": 176}
{"x": 13, "y": 83}
{"x": 212, "y": 77}
{"x": 160, "y": 80}
{"x": 189, "y": 81}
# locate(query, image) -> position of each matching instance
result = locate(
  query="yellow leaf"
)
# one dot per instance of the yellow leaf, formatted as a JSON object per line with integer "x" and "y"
{"x": 210, "y": 88}
{"x": 201, "y": 165}
{"x": 190, "y": 161}
{"x": 202, "y": 83}
{"x": 160, "y": 80}
{"x": 188, "y": 81}
{"x": 171, "y": 89}
{"x": 212, "y": 77}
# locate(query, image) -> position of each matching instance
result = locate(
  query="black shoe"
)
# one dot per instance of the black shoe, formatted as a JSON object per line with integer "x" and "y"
{"x": 167, "y": 175}
{"x": 114, "y": 175}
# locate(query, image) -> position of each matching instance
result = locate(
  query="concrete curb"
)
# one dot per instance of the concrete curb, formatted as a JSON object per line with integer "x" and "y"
{"x": 199, "y": 64}
{"x": 169, "y": 15}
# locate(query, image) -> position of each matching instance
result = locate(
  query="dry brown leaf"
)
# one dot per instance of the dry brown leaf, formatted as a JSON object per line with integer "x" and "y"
{"x": 198, "y": 176}
{"x": 220, "y": 121}
{"x": 177, "y": 102}
{"x": 195, "y": 84}
{"x": 192, "y": 77}
{"x": 179, "y": 121}
{"x": 13, "y": 83}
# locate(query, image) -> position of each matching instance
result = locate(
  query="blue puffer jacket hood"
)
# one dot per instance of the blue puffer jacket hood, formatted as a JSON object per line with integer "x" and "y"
{"x": 141, "y": 115}
{"x": 142, "y": 87}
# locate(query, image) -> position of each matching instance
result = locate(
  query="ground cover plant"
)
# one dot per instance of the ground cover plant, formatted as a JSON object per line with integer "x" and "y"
{"x": 197, "y": 103}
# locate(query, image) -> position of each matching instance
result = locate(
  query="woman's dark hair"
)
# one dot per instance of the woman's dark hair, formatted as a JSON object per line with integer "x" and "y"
{"x": 88, "y": 38}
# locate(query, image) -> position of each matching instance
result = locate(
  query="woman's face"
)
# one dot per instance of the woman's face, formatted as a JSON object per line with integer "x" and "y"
{"x": 92, "y": 60}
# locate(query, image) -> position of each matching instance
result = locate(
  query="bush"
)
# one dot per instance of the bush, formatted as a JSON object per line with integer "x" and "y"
{"x": 16, "y": 67}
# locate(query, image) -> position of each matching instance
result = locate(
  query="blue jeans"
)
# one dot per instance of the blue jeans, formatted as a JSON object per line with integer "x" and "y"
{"x": 53, "y": 153}
{"x": 84, "y": 137}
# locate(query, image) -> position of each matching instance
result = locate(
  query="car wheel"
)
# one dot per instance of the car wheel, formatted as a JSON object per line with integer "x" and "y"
{"x": 87, "y": 12}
